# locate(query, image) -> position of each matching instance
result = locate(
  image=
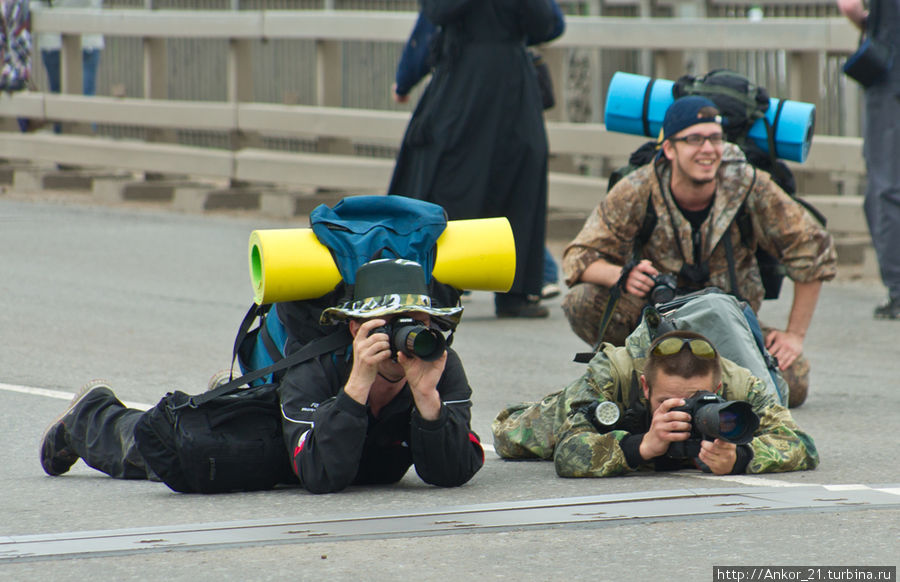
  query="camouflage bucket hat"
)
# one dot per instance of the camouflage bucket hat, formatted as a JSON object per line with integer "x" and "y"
{"x": 390, "y": 286}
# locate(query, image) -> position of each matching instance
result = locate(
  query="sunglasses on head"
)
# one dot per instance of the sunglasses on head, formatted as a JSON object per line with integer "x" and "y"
{"x": 671, "y": 346}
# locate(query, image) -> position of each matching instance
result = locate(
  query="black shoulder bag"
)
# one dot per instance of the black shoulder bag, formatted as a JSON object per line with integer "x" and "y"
{"x": 226, "y": 439}
{"x": 873, "y": 59}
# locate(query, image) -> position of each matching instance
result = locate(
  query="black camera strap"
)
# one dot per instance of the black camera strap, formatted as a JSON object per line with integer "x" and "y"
{"x": 615, "y": 293}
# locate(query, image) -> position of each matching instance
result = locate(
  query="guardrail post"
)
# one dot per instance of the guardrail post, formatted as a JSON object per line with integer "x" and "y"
{"x": 694, "y": 62}
{"x": 556, "y": 62}
{"x": 70, "y": 81}
{"x": 805, "y": 75}
{"x": 240, "y": 90}
{"x": 851, "y": 184}
{"x": 330, "y": 89}
{"x": 156, "y": 86}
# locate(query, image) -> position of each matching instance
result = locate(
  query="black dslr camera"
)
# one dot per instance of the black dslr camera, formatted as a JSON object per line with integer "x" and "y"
{"x": 665, "y": 288}
{"x": 413, "y": 338}
{"x": 713, "y": 417}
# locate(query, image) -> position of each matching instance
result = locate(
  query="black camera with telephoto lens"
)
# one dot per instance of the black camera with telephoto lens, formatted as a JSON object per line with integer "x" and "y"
{"x": 413, "y": 338}
{"x": 665, "y": 288}
{"x": 713, "y": 417}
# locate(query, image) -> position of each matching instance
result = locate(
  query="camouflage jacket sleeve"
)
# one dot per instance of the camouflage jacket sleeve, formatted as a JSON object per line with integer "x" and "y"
{"x": 556, "y": 427}
{"x": 582, "y": 451}
{"x": 611, "y": 228}
{"x": 779, "y": 445}
{"x": 785, "y": 229}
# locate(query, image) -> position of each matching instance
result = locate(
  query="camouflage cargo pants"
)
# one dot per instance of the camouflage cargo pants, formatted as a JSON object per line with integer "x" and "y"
{"x": 528, "y": 430}
{"x": 585, "y": 305}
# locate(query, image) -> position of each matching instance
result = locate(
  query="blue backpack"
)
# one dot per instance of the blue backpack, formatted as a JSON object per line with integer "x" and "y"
{"x": 356, "y": 230}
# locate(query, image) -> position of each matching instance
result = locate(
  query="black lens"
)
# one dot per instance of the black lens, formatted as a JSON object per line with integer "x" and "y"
{"x": 661, "y": 294}
{"x": 414, "y": 339}
{"x": 425, "y": 344}
{"x": 733, "y": 421}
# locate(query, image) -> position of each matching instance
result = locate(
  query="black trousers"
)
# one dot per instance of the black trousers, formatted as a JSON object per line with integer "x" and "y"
{"x": 100, "y": 429}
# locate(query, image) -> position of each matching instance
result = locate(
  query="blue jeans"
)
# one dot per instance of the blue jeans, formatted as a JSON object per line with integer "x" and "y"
{"x": 90, "y": 60}
{"x": 551, "y": 271}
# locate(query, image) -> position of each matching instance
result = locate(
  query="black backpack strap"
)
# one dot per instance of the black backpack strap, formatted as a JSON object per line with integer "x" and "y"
{"x": 643, "y": 235}
{"x": 272, "y": 348}
{"x": 645, "y": 108}
{"x": 313, "y": 349}
{"x": 732, "y": 272}
{"x": 255, "y": 311}
{"x": 615, "y": 292}
{"x": 745, "y": 227}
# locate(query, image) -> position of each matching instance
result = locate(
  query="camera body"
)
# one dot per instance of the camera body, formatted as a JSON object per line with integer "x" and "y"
{"x": 665, "y": 288}
{"x": 714, "y": 417}
{"x": 413, "y": 338}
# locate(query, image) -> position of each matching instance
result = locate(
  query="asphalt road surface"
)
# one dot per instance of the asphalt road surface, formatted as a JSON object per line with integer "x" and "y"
{"x": 150, "y": 300}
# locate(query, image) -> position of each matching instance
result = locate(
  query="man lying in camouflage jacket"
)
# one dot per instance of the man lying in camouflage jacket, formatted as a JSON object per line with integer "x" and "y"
{"x": 618, "y": 417}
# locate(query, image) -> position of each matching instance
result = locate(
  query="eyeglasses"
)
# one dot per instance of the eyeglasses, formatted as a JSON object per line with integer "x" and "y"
{"x": 671, "y": 346}
{"x": 696, "y": 140}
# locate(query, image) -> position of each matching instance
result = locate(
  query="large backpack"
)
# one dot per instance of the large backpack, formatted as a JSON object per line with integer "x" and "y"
{"x": 741, "y": 104}
{"x": 230, "y": 438}
{"x": 15, "y": 45}
{"x": 727, "y": 322}
{"x": 356, "y": 230}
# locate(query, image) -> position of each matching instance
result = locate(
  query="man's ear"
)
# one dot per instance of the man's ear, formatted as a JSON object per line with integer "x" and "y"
{"x": 668, "y": 150}
{"x": 354, "y": 327}
{"x": 646, "y": 387}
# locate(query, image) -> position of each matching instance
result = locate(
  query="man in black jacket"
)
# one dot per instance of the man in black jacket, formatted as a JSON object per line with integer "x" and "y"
{"x": 365, "y": 414}
{"x": 358, "y": 415}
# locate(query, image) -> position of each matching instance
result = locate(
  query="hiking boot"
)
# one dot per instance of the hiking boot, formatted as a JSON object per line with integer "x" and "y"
{"x": 797, "y": 395}
{"x": 890, "y": 310}
{"x": 56, "y": 456}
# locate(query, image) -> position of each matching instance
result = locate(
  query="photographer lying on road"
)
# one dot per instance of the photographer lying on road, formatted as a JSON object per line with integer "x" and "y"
{"x": 357, "y": 415}
{"x": 623, "y": 415}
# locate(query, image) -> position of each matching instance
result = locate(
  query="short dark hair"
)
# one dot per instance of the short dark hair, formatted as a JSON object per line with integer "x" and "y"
{"x": 684, "y": 363}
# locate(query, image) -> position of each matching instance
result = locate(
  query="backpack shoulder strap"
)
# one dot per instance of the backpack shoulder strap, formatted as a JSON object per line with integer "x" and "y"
{"x": 745, "y": 227}
{"x": 643, "y": 235}
{"x": 311, "y": 350}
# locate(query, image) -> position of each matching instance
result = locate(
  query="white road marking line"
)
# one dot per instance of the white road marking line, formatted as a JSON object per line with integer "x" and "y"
{"x": 754, "y": 481}
{"x": 848, "y": 487}
{"x": 62, "y": 395}
{"x": 891, "y": 490}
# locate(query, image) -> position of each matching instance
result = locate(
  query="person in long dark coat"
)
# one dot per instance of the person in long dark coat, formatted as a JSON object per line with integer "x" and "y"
{"x": 476, "y": 143}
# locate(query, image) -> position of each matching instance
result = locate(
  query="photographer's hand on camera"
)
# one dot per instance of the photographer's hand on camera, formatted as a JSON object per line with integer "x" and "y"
{"x": 640, "y": 279}
{"x": 666, "y": 426}
{"x": 423, "y": 377}
{"x": 370, "y": 350}
{"x": 720, "y": 456}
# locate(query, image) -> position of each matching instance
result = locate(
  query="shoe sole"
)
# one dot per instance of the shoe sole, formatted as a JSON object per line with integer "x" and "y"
{"x": 554, "y": 292}
{"x": 79, "y": 396}
{"x": 516, "y": 315}
{"x": 219, "y": 378}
